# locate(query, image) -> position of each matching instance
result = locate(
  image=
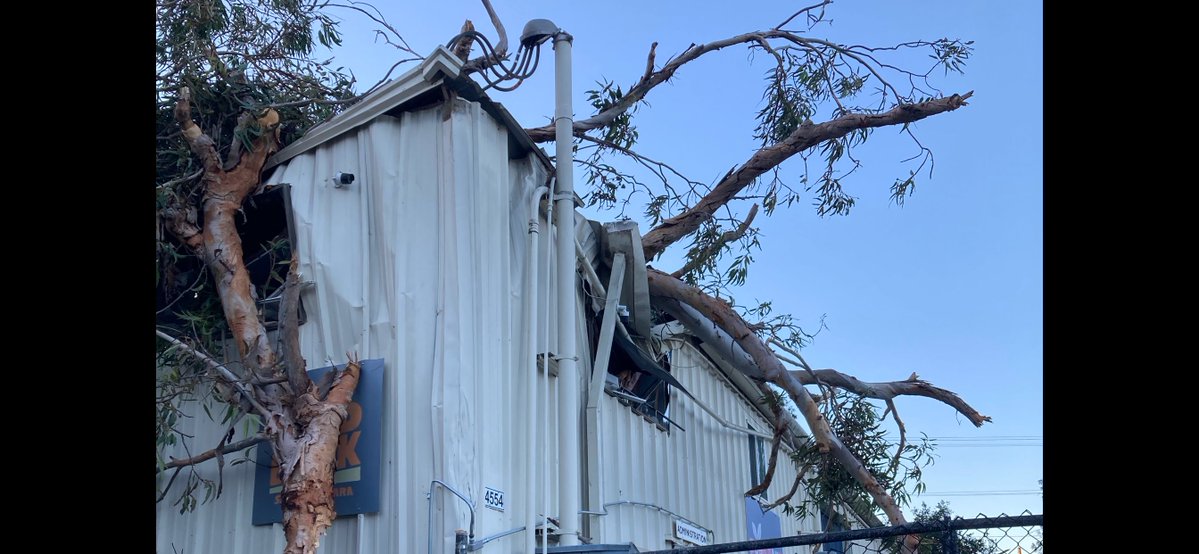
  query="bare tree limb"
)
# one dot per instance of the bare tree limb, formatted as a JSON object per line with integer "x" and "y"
{"x": 801, "y": 363}
{"x": 170, "y": 482}
{"x": 377, "y": 17}
{"x": 805, "y": 10}
{"x": 903, "y": 436}
{"x": 501, "y": 47}
{"x": 499, "y": 52}
{"x": 201, "y": 144}
{"x": 183, "y": 179}
{"x": 289, "y": 328}
{"x": 179, "y": 463}
{"x": 714, "y": 248}
{"x": 649, "y": 61}
{"x": 912, "y": 386}
{"x": 804, "y": 137}
{"x": 799, "y": 475}
{"x": 223, "y": 373}
{"x": 656, "y": 167}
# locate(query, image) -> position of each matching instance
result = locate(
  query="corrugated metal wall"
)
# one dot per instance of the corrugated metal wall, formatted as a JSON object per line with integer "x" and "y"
{"x": 700, "y": 474}
{"x": 421, "y": 261}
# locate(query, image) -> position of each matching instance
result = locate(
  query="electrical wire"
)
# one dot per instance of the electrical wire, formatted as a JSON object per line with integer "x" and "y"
{"x": 527, "y": 60}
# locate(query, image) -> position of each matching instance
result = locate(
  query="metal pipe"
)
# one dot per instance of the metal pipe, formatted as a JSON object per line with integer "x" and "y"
{"x": 644, "y": 505}
{"x": 545, "y": 383}
{"x": 479, "y": 544}
{"x": 469, "y": 506}
{"x": 531, "y": 387}
{"x": 568, "y": 374}
{"x": 361, "y": 525}
{"x": 599, "y": 372}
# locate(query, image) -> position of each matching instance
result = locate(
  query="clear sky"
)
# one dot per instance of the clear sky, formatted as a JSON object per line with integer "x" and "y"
{"x": 948, "y": 286}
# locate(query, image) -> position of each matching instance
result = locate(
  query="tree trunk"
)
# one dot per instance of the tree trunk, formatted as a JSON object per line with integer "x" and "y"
{"x": 308, "y": 476}
{"x": 302, "y": 428}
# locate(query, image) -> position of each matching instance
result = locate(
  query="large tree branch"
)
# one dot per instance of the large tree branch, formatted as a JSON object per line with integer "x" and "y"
{"x": 224, "y": 192}
{"x": 765, "y": 159}
{"x": 723, "y": 315}
{"x": 652, "y": 79}
{"x": 912, "y": 386}
{"x": 732, "y": 352}
{"x": 647, "y": 82}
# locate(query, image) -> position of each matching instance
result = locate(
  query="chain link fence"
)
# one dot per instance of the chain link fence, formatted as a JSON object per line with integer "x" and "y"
{"x": 1004, "y": 534}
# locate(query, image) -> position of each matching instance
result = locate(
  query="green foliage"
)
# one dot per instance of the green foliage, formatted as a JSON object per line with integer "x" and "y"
{"x": 237, "y": 58}
{"x": 859, "y": 424}
{"x": 932, "y": 543}
{"x": 608, "y": 183}
{"x": 621, "y": 131}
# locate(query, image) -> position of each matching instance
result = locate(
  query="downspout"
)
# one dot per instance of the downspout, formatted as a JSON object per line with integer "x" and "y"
{"x": 531, "y": 430}
{"x": 545, "y": 384}
{"x": 568, "y": 374}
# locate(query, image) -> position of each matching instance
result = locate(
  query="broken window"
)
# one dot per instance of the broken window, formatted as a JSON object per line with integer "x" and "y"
{"x": 637, "y": 378}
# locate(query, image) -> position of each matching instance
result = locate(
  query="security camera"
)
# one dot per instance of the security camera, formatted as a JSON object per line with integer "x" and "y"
{"x": 342, "y": 179}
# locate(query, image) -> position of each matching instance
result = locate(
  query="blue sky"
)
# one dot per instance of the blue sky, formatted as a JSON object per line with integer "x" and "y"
{"x": 948, "y": 286}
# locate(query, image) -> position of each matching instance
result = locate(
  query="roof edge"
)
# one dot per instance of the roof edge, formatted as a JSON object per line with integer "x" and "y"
{"x": 438, "y": 66}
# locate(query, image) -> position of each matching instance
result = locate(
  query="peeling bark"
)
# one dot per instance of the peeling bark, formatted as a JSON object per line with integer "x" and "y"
{"x": 303, "y": 429}
{"x": 224, "y": 192}
{"x": 308, "y": 480}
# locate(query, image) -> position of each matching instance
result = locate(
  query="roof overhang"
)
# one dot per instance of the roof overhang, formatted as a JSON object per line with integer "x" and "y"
{"x": 418, "y": 87}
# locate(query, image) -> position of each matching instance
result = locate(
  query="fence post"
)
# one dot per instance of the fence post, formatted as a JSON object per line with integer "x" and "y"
{"x": 949, "y": 539}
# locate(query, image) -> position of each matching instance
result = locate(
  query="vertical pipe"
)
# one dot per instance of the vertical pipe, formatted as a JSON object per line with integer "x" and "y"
{"x": 568, "y": 374}
{"x": 545, "y": 381}
{"x": 531, "y": 402}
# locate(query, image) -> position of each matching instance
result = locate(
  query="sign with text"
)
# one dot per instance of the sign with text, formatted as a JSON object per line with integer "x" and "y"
{"x": 693, "y": 534}
{"x": 761, "y": 525}
{"x": 359, "y": 449}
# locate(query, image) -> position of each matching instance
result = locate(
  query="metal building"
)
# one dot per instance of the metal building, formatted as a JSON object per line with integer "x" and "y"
{"x": 438, "y": 258}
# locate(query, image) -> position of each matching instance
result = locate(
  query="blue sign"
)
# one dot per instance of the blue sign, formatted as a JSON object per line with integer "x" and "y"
{"x": 761, "y": 525}
{"x": 356, "y": 477}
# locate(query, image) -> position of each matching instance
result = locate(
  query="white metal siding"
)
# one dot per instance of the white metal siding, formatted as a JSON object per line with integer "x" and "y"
{"x": 700, "y": 474}
{"x": 421, "y": 261}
